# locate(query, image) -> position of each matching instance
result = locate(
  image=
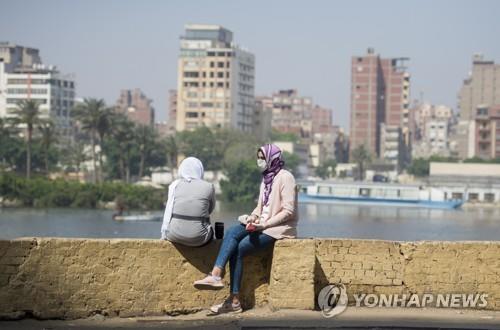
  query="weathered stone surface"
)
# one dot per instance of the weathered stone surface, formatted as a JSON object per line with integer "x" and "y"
{"x": 75, "y": 278}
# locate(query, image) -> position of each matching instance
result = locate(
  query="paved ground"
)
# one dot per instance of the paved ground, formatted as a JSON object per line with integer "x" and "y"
{"x": 264, "y": 318}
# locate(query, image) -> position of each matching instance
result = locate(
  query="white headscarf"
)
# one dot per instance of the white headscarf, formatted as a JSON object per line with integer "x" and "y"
{"x": 190, "y": 168}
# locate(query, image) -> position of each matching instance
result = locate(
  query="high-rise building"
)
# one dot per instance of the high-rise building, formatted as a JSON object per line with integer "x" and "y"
{"x": 263, "y": 118}
{"x": 321, "y": 120}
{"x": 292, "y": 113}
{"x": 379, "y": 95}
{"x": 215, "y": 81}
{"x": 172, "y": 108}
{"x": 481, "y": 89}
{"x": 23, "y": 77}
{"x": 136, "y": 106}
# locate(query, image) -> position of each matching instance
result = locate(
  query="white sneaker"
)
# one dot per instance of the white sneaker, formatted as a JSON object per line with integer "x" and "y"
{"x": 227, "y": 307}
{"x": 209, "y": 282}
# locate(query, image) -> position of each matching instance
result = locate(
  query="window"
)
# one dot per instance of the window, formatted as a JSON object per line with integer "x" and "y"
{"x": 220, "y": 64}
{"x": 220, "y": 84}
{"x": 324, "y": 190}
{"x": 364, "y": 192}
{"x": 192, "y": 114}
{"x": 473, "y": 197}
{"x": 489, "y": 197}
{"x": 220, "y": 74}
{"x": 191, "y": 74}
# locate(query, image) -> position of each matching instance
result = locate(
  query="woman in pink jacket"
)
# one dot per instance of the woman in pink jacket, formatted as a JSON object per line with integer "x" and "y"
{"x": 274, "y": 218}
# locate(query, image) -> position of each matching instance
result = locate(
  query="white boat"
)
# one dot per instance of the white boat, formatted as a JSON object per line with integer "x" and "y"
{"x": 377, "y": 193}
{"x": 138, "y": 217}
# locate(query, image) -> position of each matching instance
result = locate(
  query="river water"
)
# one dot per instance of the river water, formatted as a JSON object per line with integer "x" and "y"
{"x": 316, "y": 220}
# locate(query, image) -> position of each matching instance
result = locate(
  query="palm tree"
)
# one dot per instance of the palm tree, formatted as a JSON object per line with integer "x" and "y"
{"x": 103, "y": 128}
{"x": 89, "y": 114}
{"x": 361, "y": 156}
{"x": 27, "y": 113}
{"x": 146, "y": 138}
{"x": 5, "y": 135}
{"x": 172, "y": 149}
{"x": 123, "y": 131}
{"x": 48, "y": 138}
{"x": 74, "y": 155}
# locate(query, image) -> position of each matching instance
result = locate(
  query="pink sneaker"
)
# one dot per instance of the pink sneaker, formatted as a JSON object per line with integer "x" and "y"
{"x": 209, "y": 282}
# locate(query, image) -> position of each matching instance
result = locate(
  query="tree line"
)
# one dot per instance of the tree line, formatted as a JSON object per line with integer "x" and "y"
{"x": 121, "y": 150}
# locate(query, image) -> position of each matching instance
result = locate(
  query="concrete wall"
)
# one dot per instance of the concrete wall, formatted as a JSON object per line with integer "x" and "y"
{"x": 464, "y": 169}
{"x": 73, "y": 278}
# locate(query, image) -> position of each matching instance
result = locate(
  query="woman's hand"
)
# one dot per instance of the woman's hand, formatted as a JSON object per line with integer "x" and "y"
{"x": 252, "y": 226}
{"x": 252, "y": 219}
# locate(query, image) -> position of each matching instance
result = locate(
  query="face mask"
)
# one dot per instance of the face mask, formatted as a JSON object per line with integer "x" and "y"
{"x": 261, "y": 163}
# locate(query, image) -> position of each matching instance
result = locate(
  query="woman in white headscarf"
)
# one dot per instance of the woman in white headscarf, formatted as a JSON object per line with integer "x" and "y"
{"x": 190, "y": 201}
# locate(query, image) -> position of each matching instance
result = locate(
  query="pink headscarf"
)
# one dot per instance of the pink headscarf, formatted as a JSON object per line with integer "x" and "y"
{"x": 275, "y": 163}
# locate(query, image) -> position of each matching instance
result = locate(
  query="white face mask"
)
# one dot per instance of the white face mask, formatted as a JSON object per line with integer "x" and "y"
{"x": 261, "y": 163}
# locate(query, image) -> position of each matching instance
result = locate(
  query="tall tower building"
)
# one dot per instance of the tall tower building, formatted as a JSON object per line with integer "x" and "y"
{"x": 215, "y": 80}
{"x": 481, "y": 89}
{"x": 379, "y": 95}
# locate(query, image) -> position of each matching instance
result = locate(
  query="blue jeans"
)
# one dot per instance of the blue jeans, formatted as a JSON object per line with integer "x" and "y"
{"x": 238, "y": 243}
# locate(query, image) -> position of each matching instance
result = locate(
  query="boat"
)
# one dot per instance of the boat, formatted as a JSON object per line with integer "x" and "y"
{"x": 377, "y": 194}
{"x": 138, "y": 217}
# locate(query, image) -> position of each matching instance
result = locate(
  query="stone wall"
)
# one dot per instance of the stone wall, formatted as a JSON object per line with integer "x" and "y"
{"x": 74, "y": 278}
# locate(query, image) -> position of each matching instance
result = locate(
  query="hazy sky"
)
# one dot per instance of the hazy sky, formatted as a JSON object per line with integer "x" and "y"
{"x": 116, "y": 44}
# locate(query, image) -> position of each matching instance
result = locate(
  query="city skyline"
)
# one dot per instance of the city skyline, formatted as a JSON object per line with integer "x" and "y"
{"x": 105, "y": 48}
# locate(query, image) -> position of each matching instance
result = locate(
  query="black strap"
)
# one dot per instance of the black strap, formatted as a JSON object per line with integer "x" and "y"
{"x": 188, "y": 217}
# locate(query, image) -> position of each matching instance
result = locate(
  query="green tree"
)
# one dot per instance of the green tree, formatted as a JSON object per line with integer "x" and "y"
{"x": 243, "y": 182}
{"x": 6, "y": 142}
{"x": 171, "y": 150}
{"x": 48, "y": 138}
{"x": 146, "y": 138}
{"x": 292, "y": 162}
{"x": 27, "y": 113}
{"x": 89, "y": 114}
{"x": 361, "y": 157}
{"x": 103, "y": 128}
{"x": 74, "y": 155}
{"x": 281, "y": 136}
{"x": 201, "y": 143}
{"x": 327, "y": 169}
{"x": 419, "y": 167}
{"x": 124, "y": 137}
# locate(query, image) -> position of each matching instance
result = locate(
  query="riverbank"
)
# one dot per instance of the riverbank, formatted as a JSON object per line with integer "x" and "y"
{"x": 16, "y": 191}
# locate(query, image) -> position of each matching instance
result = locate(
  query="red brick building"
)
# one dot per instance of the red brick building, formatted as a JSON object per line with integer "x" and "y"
{"x": 136, "y": 106}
